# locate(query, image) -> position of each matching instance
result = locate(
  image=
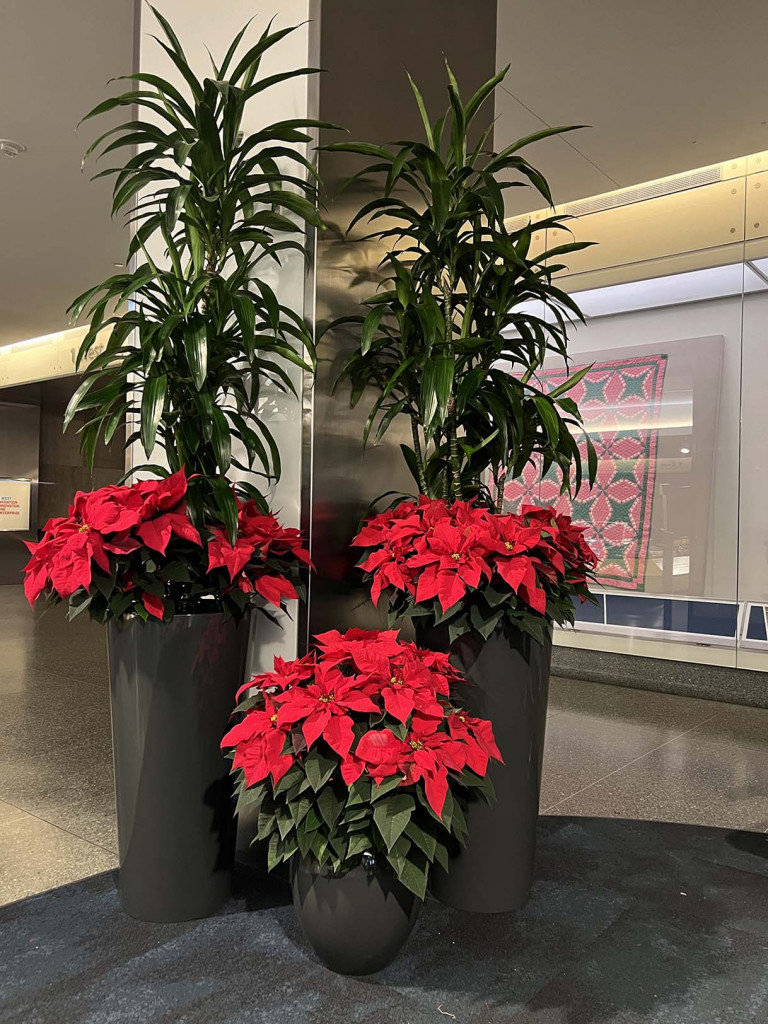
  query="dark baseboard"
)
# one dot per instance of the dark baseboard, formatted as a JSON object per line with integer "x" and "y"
{"x": 708, "y": 682}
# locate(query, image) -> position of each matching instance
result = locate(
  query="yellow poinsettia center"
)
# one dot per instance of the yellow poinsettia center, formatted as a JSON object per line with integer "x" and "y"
{"x": 327, "y": 698}
{"x": 508, "y": 545}
{"x": 416, "y": 744}
{"x": 84, "y": 528}
{"x": 456, "y": 556}
{"x": 396, "y": 681}
{"x": 462, "y": 718}
{"x": 273, "y": 719}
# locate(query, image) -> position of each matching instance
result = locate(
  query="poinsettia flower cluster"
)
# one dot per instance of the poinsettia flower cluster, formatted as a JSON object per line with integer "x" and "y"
{"x": 134, "y": 546}
{"x": 431, "y": 551}
{"x": 379, "y": 707}
{"x": 261, "y": 537}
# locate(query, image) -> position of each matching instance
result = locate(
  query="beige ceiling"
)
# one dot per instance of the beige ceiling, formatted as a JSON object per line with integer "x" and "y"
{"x": 56, "y": 235}
{"x": 668, "y": 85}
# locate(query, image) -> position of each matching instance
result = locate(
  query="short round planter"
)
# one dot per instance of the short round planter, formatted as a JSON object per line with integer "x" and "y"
{"x": 356, "y": 922}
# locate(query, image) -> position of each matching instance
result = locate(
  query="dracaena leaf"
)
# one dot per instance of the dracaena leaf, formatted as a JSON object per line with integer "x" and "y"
{"x": 152, "y": 402}
{"x": 196, "y": 348}
{"x": 215, "y": 205}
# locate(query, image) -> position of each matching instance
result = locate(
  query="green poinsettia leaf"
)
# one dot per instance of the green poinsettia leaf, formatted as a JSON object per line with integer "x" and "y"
{"x": 358, "y": 843}
{"x": 330, "y": 805}
{"x": 442, "y": 856}
{"x": 274, "y": 852}
{"x": 359, "y": 792}
{"x": 424, "y": 839}
{"x": 285, "y": 822}
{"x": 391, "y": 816}
{"x": 319, "y": 768}
{"x": 414, "y": 873}
{"x": 385, "y": 786}
{"x": 299, "y": 807}
{"x": 266, "y": 824}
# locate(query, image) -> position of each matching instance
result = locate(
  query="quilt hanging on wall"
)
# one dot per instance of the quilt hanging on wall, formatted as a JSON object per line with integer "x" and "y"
{"x": 620, "y": 402}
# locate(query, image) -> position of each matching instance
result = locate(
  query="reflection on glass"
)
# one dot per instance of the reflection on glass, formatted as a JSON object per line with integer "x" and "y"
{"x": 676, "y": 299}
{"x": 661, "y": 402}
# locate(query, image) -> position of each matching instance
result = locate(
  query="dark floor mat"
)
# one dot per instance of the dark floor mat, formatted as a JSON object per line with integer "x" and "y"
{"x": 630, "y": 923}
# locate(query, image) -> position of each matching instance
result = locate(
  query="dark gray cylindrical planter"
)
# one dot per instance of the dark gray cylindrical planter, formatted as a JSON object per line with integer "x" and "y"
{"x": 357, "y": 922}
{"x": 508, "y": 683}
{"x": 172, "y": 690}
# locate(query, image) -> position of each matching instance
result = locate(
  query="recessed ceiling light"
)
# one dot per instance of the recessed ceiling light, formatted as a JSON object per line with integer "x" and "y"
{"x": 10, "y": 148}
{"x": 685, "y": 451}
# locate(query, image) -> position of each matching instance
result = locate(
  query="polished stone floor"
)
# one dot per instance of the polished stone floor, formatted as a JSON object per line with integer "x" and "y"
{"x": 610, "y": 752}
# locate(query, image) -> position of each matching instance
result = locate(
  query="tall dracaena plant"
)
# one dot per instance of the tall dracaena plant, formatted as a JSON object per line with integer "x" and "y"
{"x": 467, "y": 311}
{"x": 196, "y": 332}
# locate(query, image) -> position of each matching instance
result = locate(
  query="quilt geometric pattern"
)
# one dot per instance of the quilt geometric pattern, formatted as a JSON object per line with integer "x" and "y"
{"x": 620, "y": 403}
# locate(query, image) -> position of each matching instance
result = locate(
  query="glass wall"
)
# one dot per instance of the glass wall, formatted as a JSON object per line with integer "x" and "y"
{"x": 676, "y": 402}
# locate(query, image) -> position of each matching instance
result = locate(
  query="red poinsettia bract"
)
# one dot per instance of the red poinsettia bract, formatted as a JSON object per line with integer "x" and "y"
{"x": 430, "y": 550}
{"x": 120, "y": 531}
{"x": 379, "y": 705}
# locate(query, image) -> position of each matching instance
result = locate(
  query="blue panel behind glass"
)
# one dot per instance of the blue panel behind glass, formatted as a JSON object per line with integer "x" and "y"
{"x": 705, "y": 617}
{"x": 643, "y": 612}
{"x": 589, "y": 612}
{"x": 709, "y": 618}
{"x": 756, "y": 624}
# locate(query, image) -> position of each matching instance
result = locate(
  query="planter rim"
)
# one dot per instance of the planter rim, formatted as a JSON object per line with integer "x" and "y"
{"x": 310, "y": 864}
{"x": 125, "y": 620}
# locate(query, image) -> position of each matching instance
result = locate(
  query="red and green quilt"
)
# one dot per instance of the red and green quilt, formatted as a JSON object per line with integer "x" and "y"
{"x": 620, "y": 403}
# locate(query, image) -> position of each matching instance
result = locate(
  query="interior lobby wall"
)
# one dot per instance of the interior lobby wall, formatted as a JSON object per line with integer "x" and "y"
{"x": 753, "y": 477}
{"x": 728, "y": 432}
{"x": 19, "y": 460}
{"x": 62, "y": 472}
{"x": 34, "y": 447}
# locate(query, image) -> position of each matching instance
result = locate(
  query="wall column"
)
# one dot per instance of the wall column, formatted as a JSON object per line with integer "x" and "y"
{"x": 365, "y": 47}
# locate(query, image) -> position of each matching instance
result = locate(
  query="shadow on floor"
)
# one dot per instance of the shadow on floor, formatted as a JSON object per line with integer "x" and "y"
{"x": 629, "y": 923}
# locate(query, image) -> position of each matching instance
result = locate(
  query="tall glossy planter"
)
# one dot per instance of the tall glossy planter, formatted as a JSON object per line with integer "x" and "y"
{"x": 358, "y": 921}
{"x": 172, "y": 690}
{"x": 508, "y": 684}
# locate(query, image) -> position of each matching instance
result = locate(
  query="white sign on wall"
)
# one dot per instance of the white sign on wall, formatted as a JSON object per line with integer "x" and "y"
{"x": 14, "y": 504}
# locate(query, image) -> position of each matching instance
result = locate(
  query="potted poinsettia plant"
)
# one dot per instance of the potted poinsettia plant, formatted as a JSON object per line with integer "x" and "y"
{"x": 185, "y": 346}
{"x": 466, "y": 568}
{"x": 133, "y": 550}
{"x": 359, "y": 764}
{"x": 452, "y": 341}
{"x": 131, "y": 556}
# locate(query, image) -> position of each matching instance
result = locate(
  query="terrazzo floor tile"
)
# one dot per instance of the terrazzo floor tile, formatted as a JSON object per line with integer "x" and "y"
{"x": 9, "y": 811}
{"x": 54, "y": 718}
{"x": 36, "y": 856}
{"x": 44, "y": 644}
{"x": 733, "y": 723}
{"x": 80, "y": 799}
{"x": 580, "y": 749}
{"x": 621, "y": 703}
{"x": 687, "y": 779}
